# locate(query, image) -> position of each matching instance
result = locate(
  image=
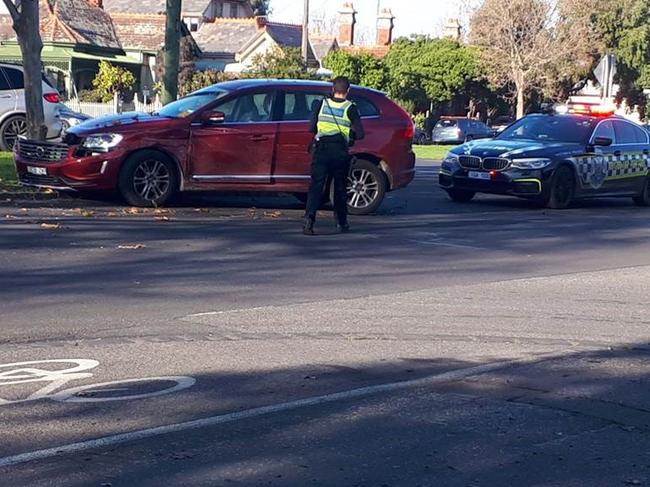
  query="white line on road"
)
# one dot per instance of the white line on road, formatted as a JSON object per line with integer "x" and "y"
{"x": 264, "y": 410}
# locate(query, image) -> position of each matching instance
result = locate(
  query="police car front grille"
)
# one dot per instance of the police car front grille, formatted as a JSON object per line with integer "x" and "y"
{"x": 495, "y": 163}
{"x": 42, "y": 151}
{"x": 470, "y": 162}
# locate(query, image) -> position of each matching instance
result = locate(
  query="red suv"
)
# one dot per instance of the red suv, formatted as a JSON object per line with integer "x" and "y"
{"x": 247, "y": 135}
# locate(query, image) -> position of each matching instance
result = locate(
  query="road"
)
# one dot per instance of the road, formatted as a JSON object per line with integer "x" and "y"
{"x": 484, "y": 344}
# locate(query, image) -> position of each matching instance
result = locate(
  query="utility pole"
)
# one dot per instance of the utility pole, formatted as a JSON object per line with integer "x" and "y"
{"x": 305, "y": 32}
{"x": 172, "y": 51}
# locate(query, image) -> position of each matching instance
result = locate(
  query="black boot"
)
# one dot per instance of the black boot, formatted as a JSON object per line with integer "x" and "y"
{"x": 308, "y": 229}
{"x": 343, "y": 227}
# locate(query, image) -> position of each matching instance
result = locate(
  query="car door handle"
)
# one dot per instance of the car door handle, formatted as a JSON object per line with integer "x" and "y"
{"x": 259, "y": 138}
{"x": 6, "y": 96}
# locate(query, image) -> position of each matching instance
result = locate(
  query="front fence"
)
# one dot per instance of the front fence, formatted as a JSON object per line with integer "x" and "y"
{"x": 99, "y": 109}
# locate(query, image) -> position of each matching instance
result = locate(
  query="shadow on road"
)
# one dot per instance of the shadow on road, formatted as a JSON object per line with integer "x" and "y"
{"x": 579, "y": 420}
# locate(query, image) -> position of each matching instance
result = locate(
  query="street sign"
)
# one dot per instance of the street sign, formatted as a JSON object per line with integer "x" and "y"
{"x": 605, "y": 72}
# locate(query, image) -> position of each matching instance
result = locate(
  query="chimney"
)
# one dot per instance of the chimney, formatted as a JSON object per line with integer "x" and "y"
{"x": 347, "y": 22}
{"x": 260, "y": 21}
{"x": 385, "y": 24}
{"x": 453, "y": 30}
{"x": 96, "y": 3}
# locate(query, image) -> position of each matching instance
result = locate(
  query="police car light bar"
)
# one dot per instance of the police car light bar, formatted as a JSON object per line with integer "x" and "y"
{"x": 594, "y": 110}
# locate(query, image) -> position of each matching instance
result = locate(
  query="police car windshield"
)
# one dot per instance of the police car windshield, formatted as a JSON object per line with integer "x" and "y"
{"x": 550, "y": 128}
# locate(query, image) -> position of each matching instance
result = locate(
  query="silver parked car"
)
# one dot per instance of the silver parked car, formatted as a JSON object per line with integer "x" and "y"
{"x": 458, "y": 130}
{"x": 13, "y": 122}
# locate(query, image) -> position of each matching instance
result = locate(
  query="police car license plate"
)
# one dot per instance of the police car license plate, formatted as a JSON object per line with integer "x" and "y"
{"x": 479, "y": 175}
{"x": 39, "y": 171}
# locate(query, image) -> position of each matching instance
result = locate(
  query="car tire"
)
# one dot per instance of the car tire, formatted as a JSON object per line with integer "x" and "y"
{"x": 10, "y": 130}
{"x": 460, "y": 195}
{"x": 563, "y": 189}
{"x": 367, "y": 187}
{"x": 644, "y": 198}
{"x": 148, "y": 179}
{"x": 302, "y": 197}
{"x": 421, "y": 140}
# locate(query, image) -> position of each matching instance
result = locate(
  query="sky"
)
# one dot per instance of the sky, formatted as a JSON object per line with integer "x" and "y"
{"x": 411, "y": 16}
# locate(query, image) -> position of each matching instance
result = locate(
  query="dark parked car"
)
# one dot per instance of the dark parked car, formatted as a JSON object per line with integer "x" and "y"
{"x": 246, "y": 135}
{"x": 555, "y": 159}
{"x": 70, "y": 118}
{"x": 455, "y": 130}
{"x": 420, "y": 137}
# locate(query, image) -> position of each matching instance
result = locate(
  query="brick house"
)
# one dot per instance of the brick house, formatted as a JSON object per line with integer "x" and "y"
{"x": 347, "y": 27}
{"x": 194, "y": 13}
{"x": 232, "y": 44}
{"x": 78, "y": 34}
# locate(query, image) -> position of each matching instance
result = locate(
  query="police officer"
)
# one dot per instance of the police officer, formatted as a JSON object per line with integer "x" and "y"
{"x": 336, "y": 124}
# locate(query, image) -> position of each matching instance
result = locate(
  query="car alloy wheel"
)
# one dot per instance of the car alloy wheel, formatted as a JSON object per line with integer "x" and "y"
{"x": 13, "y": 129}
{"x": 151, "y": 179}
{"x": 363, "y": 188}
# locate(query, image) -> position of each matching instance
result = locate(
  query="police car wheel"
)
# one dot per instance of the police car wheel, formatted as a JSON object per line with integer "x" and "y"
{"x": 563, "y": 189}
{"x": 460, "y": 195}
{"x": 367, "y": 186}
{"x": 644, "y": 198}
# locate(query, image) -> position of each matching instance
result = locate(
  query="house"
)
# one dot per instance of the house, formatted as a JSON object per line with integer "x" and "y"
{"x": 194, "y": 12}
{"x": 232, "y": 44}
{"x": 78, "y": 34}
{"x": 347, "y": 27}
{"x": 143, "y": 37}
{"x": 71, "y": 49}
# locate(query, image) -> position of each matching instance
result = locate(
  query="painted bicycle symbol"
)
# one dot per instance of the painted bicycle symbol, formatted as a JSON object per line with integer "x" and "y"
{"x": 58, "y": 373}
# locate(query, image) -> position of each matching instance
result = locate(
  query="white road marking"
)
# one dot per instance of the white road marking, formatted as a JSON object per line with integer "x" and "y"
{"x": 56, "y": 379}
{"x": 112, "y": 440}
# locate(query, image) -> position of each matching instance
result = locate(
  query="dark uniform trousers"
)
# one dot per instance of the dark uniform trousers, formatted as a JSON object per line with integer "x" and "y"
{"x": 331, "y": 159}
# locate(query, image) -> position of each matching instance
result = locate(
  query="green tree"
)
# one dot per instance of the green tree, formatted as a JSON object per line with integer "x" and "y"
{"x": 202, "y": 79}
{"x": 280, "y": 63}
{"x": 624, "y": 26}
{"x": 424, "y": 70}
{"x": 363, "y": 69}
{"x": 112, "y": 80}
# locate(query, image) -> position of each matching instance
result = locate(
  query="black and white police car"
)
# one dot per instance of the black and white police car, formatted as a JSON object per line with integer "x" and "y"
{"x": 555, "y": 159}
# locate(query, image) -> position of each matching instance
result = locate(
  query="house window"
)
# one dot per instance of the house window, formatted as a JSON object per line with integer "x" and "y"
{"x": 219, "y": 9}
{"x": 192, "y": 23}
{"x": 234, "y": 10}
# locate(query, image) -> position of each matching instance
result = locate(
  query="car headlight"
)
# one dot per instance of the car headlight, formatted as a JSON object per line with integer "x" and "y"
{"x": 101, "y": 142}
{"x": 532, "y": 163}
{"x": 450, "y": 158}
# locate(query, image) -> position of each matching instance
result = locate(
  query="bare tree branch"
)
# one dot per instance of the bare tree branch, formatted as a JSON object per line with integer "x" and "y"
{"x": 13, "y": 9}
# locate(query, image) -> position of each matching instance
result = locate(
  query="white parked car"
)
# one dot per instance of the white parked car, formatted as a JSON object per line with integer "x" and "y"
{"x": 13, "y": 123}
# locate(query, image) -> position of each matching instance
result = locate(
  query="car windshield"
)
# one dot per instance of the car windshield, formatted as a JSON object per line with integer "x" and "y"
{"x": 446, "y": 123}
{"x": 190, "y": 104}
{"x": 551, "y": 128}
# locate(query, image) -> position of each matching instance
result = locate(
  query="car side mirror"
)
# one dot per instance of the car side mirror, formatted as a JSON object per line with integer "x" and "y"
{"x": 213, "y": 118}
{"x": 602, "y": 142}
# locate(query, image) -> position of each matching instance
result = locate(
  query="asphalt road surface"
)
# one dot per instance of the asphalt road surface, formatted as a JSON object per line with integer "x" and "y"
{"x": 212, "y": 344}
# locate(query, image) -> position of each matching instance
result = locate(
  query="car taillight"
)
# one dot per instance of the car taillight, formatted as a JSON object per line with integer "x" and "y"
{"x": 52, "y": 97}
{"x": 409, "y": 133}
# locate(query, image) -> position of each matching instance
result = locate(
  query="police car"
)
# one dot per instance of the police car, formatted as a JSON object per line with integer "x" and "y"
{"x": 555, "y": 159}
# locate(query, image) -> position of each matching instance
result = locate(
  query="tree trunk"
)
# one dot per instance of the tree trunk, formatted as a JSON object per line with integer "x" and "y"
{"x": 172, "y": 51}
{"x": 521, "y": 101}
{"x": 29, "y": 39}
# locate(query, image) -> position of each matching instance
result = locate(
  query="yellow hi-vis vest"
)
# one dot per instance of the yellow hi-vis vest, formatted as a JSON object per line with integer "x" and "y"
{"x": 333, "y": 119}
